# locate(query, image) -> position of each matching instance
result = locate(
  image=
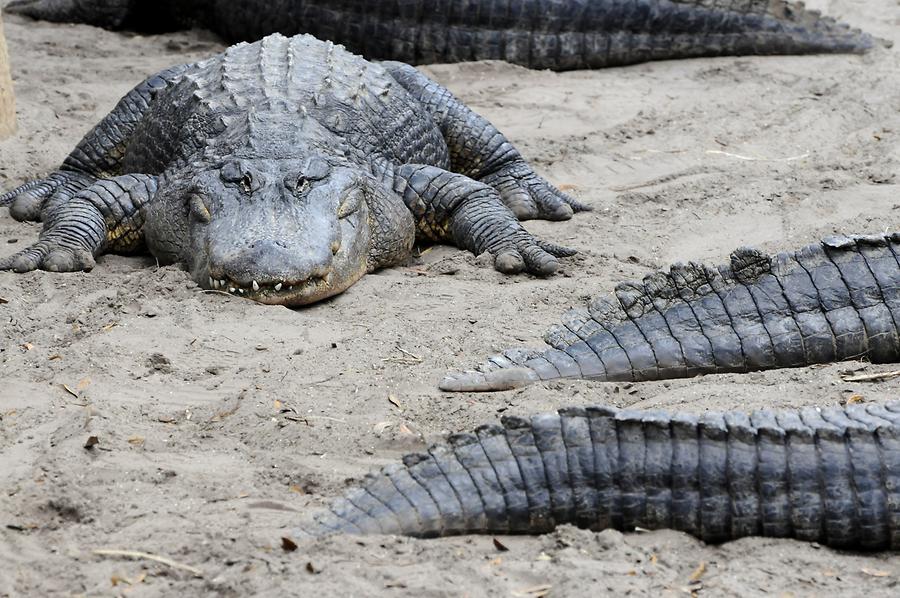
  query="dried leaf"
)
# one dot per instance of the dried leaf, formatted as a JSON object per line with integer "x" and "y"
{"x": 654, "y": 559}
{"x": 395, "y": 402}
{"x": 278, "y": 405}
{"x": 500, "y": 545}
{"x": 54, "y": 357}
{"x": 875, "y": 572}
{"x": 380, "y": 427}
{"x": 136, "y": 440}
{"x": 288, "y": 545}
{"x": 110, "y": 326}
{"x": 567, "y": 187}
{"x": 698, "y": 572}
{"x": 116, "y": 580}
{"x": 82, "y": 384}
{"x": 537, "y": 591}
{"x": 297, "y": 489}
{"x": 91, "y": 442}
{"x": 27, "y": 346}
{"x": 497, "y": 561}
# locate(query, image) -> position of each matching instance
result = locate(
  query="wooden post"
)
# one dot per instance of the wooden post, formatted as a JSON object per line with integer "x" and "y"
{"x": 7, "y": 99}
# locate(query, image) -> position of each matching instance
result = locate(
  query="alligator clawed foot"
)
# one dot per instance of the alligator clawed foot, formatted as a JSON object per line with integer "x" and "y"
{"x": 27, "y": 202}
{"x": 53, "y": 255}
{"x": 530, "y": 196}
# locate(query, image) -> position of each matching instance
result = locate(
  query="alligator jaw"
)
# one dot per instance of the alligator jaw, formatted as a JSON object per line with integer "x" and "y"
{"x": 287, "y": 293}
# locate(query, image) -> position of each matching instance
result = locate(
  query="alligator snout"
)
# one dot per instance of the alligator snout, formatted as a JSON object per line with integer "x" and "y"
{"x": 269, "y": 269}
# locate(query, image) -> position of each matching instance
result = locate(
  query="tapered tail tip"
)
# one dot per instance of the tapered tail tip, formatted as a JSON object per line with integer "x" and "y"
{"x": 28, "y": 8}
{"x": 60, "y": 11}
{"x": 502, "y": 379}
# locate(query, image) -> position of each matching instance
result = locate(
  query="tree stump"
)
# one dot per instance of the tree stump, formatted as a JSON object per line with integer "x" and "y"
{"x": 7, "y": 99}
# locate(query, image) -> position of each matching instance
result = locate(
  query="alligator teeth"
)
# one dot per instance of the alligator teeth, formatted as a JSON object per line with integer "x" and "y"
{"x": 211, "y": 284}
{"x": 278, "y": 287}
{"x": 222, "y": 283}
{"x": 241, "y": 291}
{"x": 255, "y": 286}
{"x": 231, "y": 290}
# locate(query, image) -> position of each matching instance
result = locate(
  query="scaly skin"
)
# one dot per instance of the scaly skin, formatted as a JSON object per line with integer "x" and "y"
{"x": 826, "y": 475}
{"x": 559, "y": 34}
{"x": 835, "y": 300}
{"x": 285, "y": 170}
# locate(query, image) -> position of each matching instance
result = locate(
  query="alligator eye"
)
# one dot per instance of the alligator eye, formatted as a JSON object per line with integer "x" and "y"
{"x": 301, "y": 185}
{"x": 350, "y": 203}
{"x": 247, "y": 183}
{"x": 198, "y": 209}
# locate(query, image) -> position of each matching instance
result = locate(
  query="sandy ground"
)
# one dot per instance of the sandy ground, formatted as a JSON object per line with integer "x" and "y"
{"x": 221, "y": 422}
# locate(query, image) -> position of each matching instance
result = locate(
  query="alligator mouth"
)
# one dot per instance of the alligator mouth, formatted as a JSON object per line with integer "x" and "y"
{"x": 282, "y": 292}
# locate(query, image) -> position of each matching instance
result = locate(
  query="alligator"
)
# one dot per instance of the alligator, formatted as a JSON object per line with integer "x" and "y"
{"x": 283, "y": 171}
{"x": 827, "y": 475}
{"x": 540, "y": 34}
{"x": 834, "y": 300}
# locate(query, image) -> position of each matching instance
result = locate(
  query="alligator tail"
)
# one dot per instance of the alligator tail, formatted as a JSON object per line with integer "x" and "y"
{"x": 826, "y": 475}
{"x": 831, "y": 301}
{"x": 559, "y": 35}
{"x": 572, "y": 34}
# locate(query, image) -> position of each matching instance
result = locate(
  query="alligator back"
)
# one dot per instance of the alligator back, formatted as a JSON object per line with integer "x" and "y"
{"x": 828, "y": 475}
{"x": 277, "y": 95}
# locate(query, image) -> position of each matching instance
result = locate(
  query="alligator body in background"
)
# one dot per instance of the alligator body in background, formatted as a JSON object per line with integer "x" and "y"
{"x": 831, "y": 301}
{"x": 827, "y": 475}
{"x": 283, "y": 171}
{"x": 551, "y": 34}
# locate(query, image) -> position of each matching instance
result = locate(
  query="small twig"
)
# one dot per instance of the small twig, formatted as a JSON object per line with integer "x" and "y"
{"x": 754, "y": 159}
{"x": 213, "y": 291}
{"x": 872, "y": 377}
{"x": 133, "y": 554}
{"x": 334, "y": 419}
{"x": 408, "y": 354}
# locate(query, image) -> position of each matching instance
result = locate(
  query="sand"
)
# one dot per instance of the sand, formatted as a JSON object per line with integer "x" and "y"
{"x": 219, "y": 424}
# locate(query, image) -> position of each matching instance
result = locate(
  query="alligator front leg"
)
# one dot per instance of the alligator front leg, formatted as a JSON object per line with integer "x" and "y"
{"x": 97, "y": 156}
{"x": 480, "y": 151}
{"x": 106, "y": 216}
{"x": 452, "y": 207}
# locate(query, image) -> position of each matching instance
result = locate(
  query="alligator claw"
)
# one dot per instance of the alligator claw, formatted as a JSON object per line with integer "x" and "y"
{"x": 530, "y": 196}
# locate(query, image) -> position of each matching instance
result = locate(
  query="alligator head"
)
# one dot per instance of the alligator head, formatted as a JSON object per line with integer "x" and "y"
{"x": 279, "y": 231}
